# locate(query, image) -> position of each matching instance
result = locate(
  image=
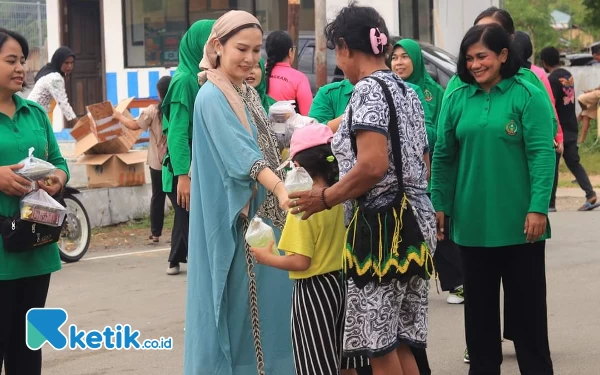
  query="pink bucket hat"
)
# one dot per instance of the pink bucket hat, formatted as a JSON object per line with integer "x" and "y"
{"x": 308, "y": 137}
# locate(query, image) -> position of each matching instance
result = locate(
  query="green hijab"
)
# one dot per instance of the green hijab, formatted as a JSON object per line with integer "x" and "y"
{"x": 184, "y": 85}
{"x": 433, "y": 92}
{"x": 266, "y": 100}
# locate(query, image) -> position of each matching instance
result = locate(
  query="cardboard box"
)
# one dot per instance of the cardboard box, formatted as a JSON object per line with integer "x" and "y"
{"x": 115, "y": 170}
{"x": 100, "y": 133}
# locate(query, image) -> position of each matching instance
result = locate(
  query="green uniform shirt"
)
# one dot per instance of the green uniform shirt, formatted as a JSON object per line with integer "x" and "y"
{"x": 525, "y": 75}
{"x": 29, "y": 127}
{"x": 493, "y": 162}
{"x": 331, "y": 101}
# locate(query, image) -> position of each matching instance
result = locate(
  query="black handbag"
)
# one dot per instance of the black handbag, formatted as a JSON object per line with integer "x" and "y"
{"x": 22, "y": 236}
{"x": 386, "y": 243}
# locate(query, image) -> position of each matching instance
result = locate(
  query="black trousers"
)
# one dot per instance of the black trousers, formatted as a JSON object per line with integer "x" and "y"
{"x": 157, "y": 203}
{"x": 181, "y": 229}
{"x": 522, "y": 270}
{"x": 17, "y": 297}
{"x": 420, "y": 357}
{"x": 573, "y": 162}
{"x": 447, "y": 261}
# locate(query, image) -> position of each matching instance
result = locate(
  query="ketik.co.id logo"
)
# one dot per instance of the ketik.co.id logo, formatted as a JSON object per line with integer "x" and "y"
{"x": 43, "y": 326}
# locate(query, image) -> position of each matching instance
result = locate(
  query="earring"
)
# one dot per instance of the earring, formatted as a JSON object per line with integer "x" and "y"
{"x": 219, "y": 54}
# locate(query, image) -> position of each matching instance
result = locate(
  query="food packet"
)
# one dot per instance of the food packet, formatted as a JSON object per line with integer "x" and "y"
{"x": 279, "y": 113}
{"x": 298, "y": 180}
{"x": 40, "y": 207}
{"x": 35, "y": 169}
{"x": 260, "y": 234}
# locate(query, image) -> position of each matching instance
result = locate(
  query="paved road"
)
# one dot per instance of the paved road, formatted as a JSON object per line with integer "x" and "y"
{"x": 134, "y": 289}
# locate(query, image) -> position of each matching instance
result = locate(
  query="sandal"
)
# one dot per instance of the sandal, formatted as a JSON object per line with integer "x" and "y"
{"x": 153, "y": 238}
{"x": 589, "y": 205}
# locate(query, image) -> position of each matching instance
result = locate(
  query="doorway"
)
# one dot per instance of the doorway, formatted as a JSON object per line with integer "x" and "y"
{"x": 82, "y": 33}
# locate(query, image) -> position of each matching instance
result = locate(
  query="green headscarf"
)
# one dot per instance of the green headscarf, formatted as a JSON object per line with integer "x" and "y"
{"x": 266, "y": 100}
{"x": 434, "y": 93}
{"x": 184, "y": 85}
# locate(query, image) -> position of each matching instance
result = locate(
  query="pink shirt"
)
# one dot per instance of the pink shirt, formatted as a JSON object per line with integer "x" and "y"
{"x": 287, "y": 83}
{"x": 541, "y": 73}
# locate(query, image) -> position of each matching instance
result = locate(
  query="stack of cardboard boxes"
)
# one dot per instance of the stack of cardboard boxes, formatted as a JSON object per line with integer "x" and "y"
{"x": 106, "y": 146}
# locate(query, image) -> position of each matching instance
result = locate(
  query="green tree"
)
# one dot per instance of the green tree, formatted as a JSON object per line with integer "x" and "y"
{"x": 533, "y": 17}
{"x": 592, "y": 12}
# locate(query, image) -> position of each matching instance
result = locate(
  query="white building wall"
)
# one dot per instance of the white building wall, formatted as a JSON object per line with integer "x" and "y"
{"x": 453, "y": 18}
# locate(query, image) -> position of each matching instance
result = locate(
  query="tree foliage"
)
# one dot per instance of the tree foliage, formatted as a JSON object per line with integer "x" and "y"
{"x": 533, "y": 17}
{"x": 592, "y": 12}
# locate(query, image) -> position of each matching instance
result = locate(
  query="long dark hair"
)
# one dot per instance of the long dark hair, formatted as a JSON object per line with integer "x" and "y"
{"x": 500, "y": 15}
{"x": 162, "y": 86}
{"x": 495, "y": 38}
{"x": 319, "y": 162}
{"x": 277, "y": 46}
{"x": 523, "y": 48}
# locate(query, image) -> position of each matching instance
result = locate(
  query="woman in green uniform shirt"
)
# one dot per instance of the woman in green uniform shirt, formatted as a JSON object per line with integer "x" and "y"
{"x": 504, "y": 19}
{"x": 24, "y": 276}
{"x": 407, "y": 62}
{"x": 493, "y": 172}
{"x": 178, "y": 109}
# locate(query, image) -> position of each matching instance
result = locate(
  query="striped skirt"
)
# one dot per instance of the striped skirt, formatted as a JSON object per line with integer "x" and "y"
{"x": 318, "y": 311}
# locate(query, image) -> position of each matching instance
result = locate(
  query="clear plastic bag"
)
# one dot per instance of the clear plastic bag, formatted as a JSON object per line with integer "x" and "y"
{"x": 260, "y": 234}
{"x": 298, "y": 180}
{"x": 35, "y": 169}
{"x": 279, "y": 113}
{"x": 40, "y": 207}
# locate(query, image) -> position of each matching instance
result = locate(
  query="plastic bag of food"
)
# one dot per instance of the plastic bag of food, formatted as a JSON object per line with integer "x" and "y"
{"x": 298, "y": 180}
{"x": 260, "y": 234}
{"x": 279, "y": 113}
{"x": 35, "y": 169}
{"x": 40, "y": 207}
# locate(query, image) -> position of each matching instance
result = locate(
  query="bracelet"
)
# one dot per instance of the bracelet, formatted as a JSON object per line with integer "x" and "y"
{"x": 323, "y": 199}
{"x": 275, "y": 187}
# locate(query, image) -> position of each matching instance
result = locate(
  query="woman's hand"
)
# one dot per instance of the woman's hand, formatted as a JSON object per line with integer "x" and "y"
{"x": 309, "y": 202}
{"x": 183, "y": 191}
{"x": 440, "y": 217}
{"x": 263, "y": 254}
{"x": 535, "y": 226}
{"x": 52, "y": 185}
{"x": 282, "y": 196}
{"x": 13, "y": 184}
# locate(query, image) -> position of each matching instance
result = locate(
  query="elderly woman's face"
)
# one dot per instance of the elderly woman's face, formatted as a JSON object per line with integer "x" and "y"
{"x": 240, "y": 54}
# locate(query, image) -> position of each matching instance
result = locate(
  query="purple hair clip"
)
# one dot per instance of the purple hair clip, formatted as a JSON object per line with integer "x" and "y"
{"x": 378, "y": 40}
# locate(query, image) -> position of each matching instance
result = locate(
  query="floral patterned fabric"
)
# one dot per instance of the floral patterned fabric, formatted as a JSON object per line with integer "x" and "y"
{"x": 52, "y": 87}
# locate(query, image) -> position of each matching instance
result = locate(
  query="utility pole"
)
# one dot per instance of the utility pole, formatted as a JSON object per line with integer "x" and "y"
{"x": 320, "y": 42}
{"x": 294, "y": 26}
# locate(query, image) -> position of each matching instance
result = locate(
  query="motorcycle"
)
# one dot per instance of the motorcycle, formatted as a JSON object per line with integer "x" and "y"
{"x": 76, "y": 232}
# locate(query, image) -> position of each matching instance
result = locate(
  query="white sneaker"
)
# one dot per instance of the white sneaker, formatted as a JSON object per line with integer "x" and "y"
{"x": 173, "y": 270}
{"x": 456, "y": 296}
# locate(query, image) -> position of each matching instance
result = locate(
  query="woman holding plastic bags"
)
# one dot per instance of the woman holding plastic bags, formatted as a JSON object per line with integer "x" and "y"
{"x": 24, "y": 275}
{"x": 237, "y": 318}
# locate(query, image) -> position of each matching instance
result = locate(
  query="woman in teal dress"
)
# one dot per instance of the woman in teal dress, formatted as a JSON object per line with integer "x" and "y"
{"x": 237, "y": 318}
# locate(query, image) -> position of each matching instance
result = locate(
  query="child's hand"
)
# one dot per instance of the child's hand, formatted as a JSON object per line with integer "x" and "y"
{"x": 262, "y": 254}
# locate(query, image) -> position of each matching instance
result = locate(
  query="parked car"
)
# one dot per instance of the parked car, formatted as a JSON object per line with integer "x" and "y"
{"x": 577, "y": 59}
{"x": 440, "y": 64}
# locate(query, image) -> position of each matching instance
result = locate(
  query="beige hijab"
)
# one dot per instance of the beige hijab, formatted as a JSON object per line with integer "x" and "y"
{"x": 224, "y": 25}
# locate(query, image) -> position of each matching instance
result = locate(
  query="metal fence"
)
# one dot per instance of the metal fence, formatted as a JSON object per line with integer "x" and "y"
{"x": 29, "y": 20}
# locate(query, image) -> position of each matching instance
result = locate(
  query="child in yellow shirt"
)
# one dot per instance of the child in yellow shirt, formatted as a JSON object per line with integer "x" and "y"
{"x": 314, "y": 249}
